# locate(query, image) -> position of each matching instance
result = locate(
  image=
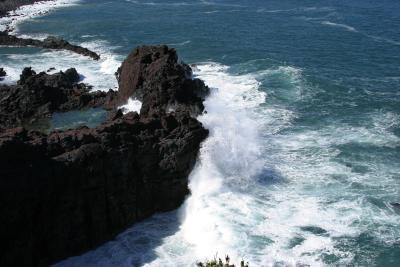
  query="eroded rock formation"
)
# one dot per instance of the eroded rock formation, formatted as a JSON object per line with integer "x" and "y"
{"x": 158, "y": 67}
{"x": 37, "y": 96}
{"x": 68, "y": 191}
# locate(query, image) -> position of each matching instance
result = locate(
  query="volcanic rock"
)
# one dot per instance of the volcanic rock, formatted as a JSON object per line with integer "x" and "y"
{"x": 170, "y": 82}
{"x": 2, "y": 74}
{"x": 66, "y": 192}
{"x": 37, "y": 96}
{"x": 50, "y": 42}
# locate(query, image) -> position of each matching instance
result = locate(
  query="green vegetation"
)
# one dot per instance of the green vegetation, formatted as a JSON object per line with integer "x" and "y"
{"x": 219, "y": 263}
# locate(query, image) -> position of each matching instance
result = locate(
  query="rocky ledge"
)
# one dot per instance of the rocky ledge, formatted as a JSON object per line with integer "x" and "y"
{"x": 50, "y": 42}
{"x": 66, "y": 192}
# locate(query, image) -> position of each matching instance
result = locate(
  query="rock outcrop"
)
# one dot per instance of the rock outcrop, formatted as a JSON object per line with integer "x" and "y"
{"x": 37, "y": 96}
{"x": 50, "y": 42}
{"x": 66, "y": 192}
{"x": 2, "y": 74}
{"x": 158, "y": 67}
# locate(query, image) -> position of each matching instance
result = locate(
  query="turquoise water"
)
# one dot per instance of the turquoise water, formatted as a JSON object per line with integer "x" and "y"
{"x": 302, "y": 163}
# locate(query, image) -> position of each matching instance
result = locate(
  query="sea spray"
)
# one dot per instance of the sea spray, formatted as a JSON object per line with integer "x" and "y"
{"x": 99, "y": 74}
{"x": 133, "y": 105}
{"x": 28, "y": 12}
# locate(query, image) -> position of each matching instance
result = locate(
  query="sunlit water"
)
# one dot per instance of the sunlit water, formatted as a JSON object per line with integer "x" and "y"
{"x": 303, "y": 158}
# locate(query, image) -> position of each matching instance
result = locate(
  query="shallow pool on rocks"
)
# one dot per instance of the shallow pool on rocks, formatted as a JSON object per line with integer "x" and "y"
{"x": 73, "y": 119}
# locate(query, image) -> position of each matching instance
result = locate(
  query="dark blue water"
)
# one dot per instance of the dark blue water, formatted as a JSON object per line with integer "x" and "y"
{"x": 303, "y": 160}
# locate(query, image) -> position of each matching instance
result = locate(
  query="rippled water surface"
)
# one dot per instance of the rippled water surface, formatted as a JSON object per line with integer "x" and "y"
{"x": 302, "y": 165}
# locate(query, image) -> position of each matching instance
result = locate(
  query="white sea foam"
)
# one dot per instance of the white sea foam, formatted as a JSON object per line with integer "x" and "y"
{"x": 211, "y": 12}
{"x": 339, "y": 25}
{"x": 296, "y": 10}
{"x": 132, "y": 105}
{"x": 27, "y": 12}
{"x": 263, "y": 190}
{"x": 99, "y": 74}
{"x": 208, "y": 3}
{"x": 181, "y": 43}
{"x": 383, "y": 39}
{"x": 352, "y": 29}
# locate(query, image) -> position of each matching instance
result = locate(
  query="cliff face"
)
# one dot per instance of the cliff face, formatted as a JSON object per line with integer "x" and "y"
{"x": 64, "y": 193}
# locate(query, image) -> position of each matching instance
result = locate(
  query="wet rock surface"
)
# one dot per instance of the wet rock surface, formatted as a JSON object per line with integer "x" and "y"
{"x": 50, "y": 42}
{"x": 3, "y": 74}
{"x": 173, "y": 87}
{"x": 66, "y": 192}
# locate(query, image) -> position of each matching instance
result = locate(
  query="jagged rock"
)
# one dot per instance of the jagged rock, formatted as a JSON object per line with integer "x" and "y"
{"x": 2, "y": 74}
{"x": 66, "y": 192}
{"x": 37, "y": 96}
{"x": 157, "y": 68}
{"x": 50, "y": 42}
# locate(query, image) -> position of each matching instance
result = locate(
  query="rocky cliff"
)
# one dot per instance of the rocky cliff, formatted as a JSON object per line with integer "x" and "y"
{"x": 64, "y": 193}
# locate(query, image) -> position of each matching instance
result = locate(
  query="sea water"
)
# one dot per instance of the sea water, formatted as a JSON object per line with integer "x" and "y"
{"x": 302, "y": 164}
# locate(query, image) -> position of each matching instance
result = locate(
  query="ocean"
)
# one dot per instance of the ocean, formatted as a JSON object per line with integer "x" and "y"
{"x": 302, "y": 165}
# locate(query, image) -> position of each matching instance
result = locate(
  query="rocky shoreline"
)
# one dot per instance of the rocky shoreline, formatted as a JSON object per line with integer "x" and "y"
{"x": 36, "y": 96}
{"x": 50, "y": 42}
{"x": 65, "y": 192}
{"x": 9, "y": 5}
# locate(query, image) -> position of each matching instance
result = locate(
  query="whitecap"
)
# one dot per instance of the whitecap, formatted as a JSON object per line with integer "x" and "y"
{"x": 383, "y": 39}
{"x": 211, "y": 12}
{"x": 181, "y": 43}
{"x": 27, "y": 12}
{"x": 99, "y": 74}
{"x": 339, "y": 25}
{"x": 133, "y": 105}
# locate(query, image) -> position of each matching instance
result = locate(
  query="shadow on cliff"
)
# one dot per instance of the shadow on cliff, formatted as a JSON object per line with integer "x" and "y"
{"x": 134, "y": 247}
